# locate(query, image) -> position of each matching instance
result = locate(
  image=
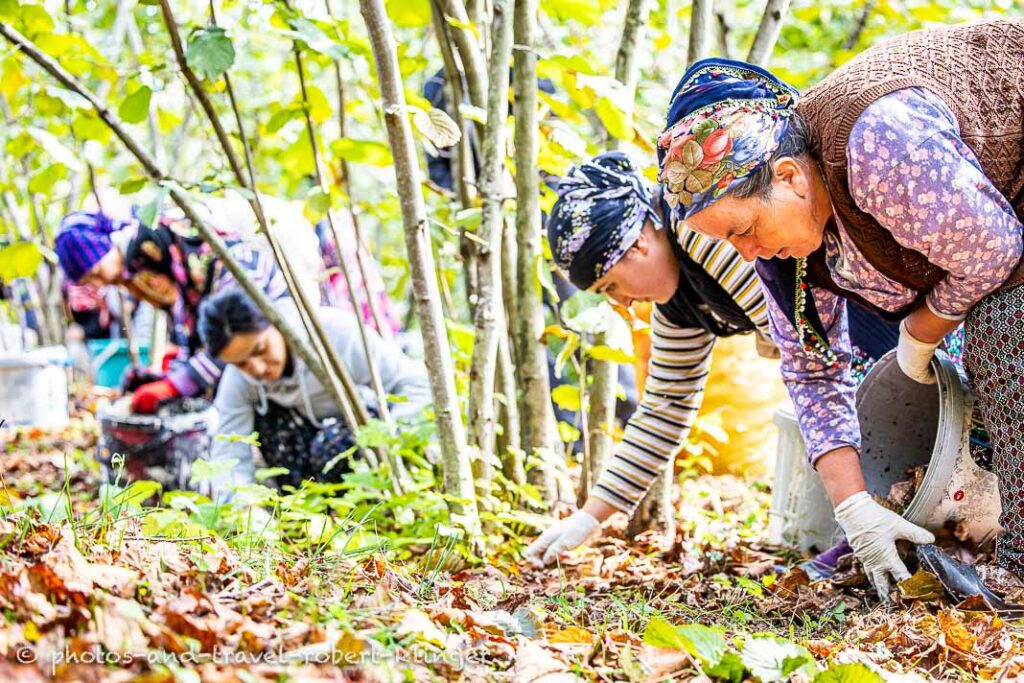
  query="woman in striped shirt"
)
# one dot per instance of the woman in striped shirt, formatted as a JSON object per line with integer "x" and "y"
{"x": 607, "y": 234}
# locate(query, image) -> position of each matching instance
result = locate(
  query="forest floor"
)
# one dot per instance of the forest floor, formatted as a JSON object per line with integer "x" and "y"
{"x": 115, "y": 595}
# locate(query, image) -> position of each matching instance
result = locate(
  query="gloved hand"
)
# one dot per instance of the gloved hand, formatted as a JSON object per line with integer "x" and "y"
{"x": 563, "y": 535}
{"x": 134, "y": 378}
{"x": 915, "y": 356}
{"x": 148, "y": 397}
{"x": 872, "y": 532}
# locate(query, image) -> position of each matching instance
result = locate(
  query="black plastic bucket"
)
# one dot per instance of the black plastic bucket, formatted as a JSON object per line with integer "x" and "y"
{"x": 160, "y": 447}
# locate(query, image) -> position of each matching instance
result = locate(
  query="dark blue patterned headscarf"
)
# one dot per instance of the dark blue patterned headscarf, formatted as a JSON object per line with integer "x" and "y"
{"x": 725, "y": 120}
{"x": 602, "y": 207}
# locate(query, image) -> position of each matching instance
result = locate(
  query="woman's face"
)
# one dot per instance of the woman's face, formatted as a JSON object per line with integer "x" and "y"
{"x": 156, "y": 288}
{"x": 648, "y": 271}
{"x": 261, "y": 355}
{"x": 789, "y": 224}
{"x": 109, "y": 270}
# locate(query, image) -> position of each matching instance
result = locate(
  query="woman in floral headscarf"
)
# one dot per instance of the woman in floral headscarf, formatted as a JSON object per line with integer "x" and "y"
{"x": 608, "y": 233}
{"x": 896, "y": 182}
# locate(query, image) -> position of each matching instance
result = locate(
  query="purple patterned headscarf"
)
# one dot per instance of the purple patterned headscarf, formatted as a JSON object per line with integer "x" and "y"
{"x": 725, "y": 121}
{"x": 83, "y": 240}
{"x": 602, "y": 206}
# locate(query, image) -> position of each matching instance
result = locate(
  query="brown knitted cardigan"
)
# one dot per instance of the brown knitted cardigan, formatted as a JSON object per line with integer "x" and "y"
{"x": 978, "y": 71}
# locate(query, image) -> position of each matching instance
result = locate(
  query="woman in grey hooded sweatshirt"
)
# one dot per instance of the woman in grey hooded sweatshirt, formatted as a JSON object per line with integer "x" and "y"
{"x": 267, "y": 389}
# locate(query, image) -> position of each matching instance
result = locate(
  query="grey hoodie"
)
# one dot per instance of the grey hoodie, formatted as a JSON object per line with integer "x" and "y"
{"x": 239, "y": 396}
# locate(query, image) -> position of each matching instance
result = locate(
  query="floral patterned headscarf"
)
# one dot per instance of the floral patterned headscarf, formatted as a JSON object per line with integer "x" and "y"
{"x": 725, "y": 120}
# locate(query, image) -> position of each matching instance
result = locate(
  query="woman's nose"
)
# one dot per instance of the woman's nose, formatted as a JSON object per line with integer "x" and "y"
{"x": 747, "y": 248}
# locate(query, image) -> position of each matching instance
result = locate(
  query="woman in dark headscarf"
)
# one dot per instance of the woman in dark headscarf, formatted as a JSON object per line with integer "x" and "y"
{"x": 608, "y": 233}
{"x": 896, "y": 182}
{"x": 171, "y": 267}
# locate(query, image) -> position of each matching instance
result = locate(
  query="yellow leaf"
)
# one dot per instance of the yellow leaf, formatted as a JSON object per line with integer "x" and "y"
{"x": 11, "y": 76}
{"x": 618, "y": 122}
{"x": 319, "y": 107}
{"x": 572, "y": 634}
{"x": 566, "y": 397}
{"x": 409, "y": 13}
{"x": 464, "y": 25}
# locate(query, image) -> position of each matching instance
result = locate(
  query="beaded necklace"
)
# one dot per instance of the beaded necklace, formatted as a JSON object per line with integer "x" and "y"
{"x": 809, "y": 337}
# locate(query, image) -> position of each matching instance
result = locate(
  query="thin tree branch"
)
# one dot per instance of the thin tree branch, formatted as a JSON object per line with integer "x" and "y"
{"x": 346, "y": 180}
{"x": 528, "y": 326}
{"x": 625, "y": 58}
{"x": 200, "y": 92}
{"x": 375, "y": 380}
{"x": 700, "y": 30}
{"x": 485, "y": 347}
{"x": 723, "y": 34}
{"x": 314, "y": 330}
{"x": 469, "y": 50}
{"x": 767, "y": 32}
{"x": 458, "y": 474}
{"x": 858, "y": 29}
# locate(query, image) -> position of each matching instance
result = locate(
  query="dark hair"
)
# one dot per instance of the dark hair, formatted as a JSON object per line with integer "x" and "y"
{"x": 796, "y": 143}
{"x": 226, "y": 314}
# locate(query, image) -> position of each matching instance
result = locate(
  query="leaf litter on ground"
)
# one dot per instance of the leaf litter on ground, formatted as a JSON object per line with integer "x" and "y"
{"x": 99, "y": 598}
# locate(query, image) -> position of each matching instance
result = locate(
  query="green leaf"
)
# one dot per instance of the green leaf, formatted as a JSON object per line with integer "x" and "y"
{"x": 136, "y": 106}
{"x": 318, "y": 203}
{"x": 44, "y": 180}
{"x": 774, "y": 659}
{"x": 568, "y": 433}
{"x": 469, "y": 219}
{"x": 581, "y": 301}
{"x": 370, "y": 152}
{"x": 147, "y": 214}
{"x": 281, "y": 117}
{"x": 205, "y": 470}
{"x": 317, "y": 39}
{"x": 20, "y": 259}
{"x": 409, "y": 13}
{"x": 586, "y": 12}
{"x": 703, "y": 643}
{"x": 132, "y": 185}
{"x": 848, "y": 673}
{"x": 88, "y": 126}
{"x": 210, "y": 52}
{"x": 566, "y": 397}
{"x": 544, "y": 278}
{"x": 373, "y": 434}
{"x": 137, "y": 493}
{"x": 730, "y": 668}
{"x": 264, "y": 473}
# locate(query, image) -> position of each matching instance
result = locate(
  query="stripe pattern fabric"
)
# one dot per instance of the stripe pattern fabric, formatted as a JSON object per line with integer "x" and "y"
{"x": 678, "y": 371}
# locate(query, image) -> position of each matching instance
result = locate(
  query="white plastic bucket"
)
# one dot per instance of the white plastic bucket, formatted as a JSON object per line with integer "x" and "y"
{"x": 905, "y": 424}
{"x": 801, "y": 513}
{"x": 34, "y": 388}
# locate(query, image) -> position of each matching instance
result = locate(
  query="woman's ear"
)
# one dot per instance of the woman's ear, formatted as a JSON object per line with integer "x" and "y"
{"x": 791, "y": 173}
{"x": 644, "y": 241}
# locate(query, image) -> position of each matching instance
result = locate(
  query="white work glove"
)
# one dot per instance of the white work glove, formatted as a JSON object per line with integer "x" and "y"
{"x": 872, "y": 532}
{"x": 563, "y": 535}
{"x": 915, "y": 356}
